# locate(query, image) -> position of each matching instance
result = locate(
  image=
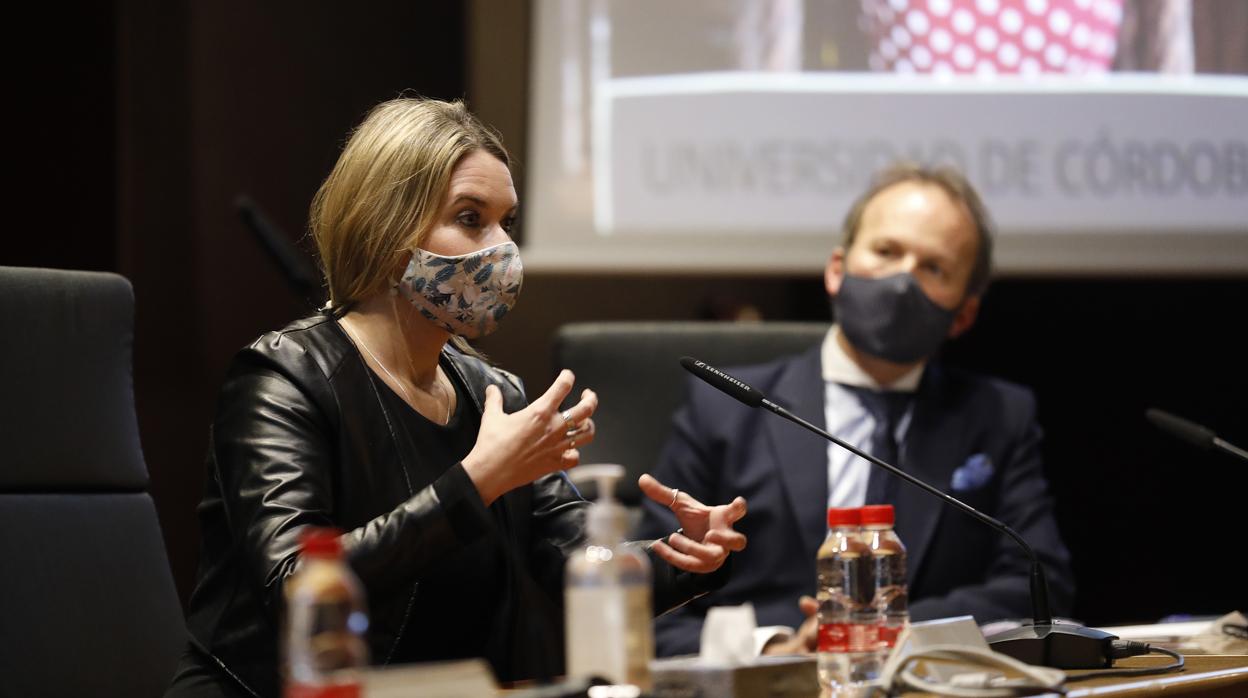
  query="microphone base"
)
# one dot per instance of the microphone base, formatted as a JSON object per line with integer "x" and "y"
{"x": 1058, "y": 645}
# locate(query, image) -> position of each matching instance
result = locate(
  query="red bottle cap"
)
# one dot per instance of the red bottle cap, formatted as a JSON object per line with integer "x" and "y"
{"x": 875, "y": 514}
{"x": 315, "y": 541}
{"x": 843, "y": 517}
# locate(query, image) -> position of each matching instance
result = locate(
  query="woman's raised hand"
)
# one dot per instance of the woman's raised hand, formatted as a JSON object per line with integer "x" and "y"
{"x": 515, "y": 449}
{"x": 706, "y": 536}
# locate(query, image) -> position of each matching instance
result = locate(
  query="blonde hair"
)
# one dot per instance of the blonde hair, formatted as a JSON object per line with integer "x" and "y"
{"x": 957, "y": 188}
{"x": 384, "y": 192}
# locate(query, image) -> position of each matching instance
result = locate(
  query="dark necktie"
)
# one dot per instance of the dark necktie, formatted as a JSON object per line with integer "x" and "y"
{"x": 886, "y": 409}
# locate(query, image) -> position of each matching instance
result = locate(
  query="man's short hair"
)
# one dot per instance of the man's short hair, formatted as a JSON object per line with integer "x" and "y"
{"x": 956, "y": 186}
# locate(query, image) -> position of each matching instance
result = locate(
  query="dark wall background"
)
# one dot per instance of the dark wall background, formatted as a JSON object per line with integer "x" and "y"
{"x": 144, "y": 119}
{"x": 141, "y": 122}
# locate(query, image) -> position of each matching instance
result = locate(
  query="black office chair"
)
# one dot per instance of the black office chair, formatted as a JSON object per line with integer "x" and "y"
{"x": 87, "y": 601}
{"x": 634, "y": 367}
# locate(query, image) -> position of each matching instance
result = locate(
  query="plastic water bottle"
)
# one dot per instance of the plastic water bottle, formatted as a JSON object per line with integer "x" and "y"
{"x": 847, "y": 627}
{"x": 323, "y": 637}
{"x": 607, "y": 619}
{"x": 889, "y": 556}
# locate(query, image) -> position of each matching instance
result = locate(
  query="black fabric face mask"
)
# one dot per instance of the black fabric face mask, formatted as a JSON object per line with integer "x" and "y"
{"x": 890, "y": 317}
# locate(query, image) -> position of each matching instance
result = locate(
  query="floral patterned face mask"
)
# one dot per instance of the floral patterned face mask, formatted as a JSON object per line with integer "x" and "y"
{"x": 466, "y": 294}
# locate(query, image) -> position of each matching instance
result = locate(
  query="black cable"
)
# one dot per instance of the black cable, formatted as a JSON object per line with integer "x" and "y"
{"x": 1131, "y": 649}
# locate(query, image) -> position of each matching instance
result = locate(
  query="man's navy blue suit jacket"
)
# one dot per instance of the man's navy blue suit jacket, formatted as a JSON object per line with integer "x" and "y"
{"x": 975, "y": 438}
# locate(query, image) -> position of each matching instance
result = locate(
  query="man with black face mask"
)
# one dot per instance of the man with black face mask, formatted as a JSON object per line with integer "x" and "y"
{"x": 913, "y": 265}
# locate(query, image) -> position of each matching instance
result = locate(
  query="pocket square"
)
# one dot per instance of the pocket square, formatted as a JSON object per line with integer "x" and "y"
{"x": 973, "y": 474}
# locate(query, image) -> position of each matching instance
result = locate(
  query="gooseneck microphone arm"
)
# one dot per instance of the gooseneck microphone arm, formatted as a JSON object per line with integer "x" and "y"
{"x": 1228, "y": 447}
{"x": 1061, "y": 645}
{"x": 1040, "y": 613}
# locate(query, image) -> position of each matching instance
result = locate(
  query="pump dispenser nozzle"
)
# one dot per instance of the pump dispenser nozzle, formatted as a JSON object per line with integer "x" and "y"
{"x": 607, "y": 521}
{"x": 604, "y": 475}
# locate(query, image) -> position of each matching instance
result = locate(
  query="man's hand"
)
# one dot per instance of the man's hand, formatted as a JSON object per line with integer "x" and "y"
{"x": 806, "y": 640}
{"x": 708, "y": 536}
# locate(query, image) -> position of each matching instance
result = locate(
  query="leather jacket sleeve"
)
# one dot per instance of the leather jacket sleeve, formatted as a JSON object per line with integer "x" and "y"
{"x": 272, "y": 451}
{"x": 301, "y": 438}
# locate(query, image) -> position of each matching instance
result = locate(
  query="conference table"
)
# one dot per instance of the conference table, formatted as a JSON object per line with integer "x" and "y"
{"x": 1206, "y": 676}
{"x": 1203, "y": 675}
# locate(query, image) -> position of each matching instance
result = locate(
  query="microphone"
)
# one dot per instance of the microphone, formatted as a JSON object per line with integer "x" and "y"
{"x": 1195, "y": 434}
{"x": 725, "y": 383}
{"x": 1061, "y": 645}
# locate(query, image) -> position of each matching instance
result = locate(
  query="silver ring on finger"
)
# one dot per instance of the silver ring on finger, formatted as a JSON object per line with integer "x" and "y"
{"x": 675, "y": 494}
{"x": 567, "y": 416}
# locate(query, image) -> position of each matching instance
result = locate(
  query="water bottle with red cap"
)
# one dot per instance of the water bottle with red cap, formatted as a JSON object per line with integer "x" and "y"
{"x": 888, "y": 556}
{"x": 325, "y": 621}
{"x": 847, "y": 645}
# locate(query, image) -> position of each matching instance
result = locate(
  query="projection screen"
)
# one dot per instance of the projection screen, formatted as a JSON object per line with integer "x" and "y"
{"x": 1106, "y": 136}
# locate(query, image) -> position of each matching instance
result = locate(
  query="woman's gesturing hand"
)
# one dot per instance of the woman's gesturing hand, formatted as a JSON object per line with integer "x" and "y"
{"x": 707, "y": 535}
{"x": 515, "y": 449}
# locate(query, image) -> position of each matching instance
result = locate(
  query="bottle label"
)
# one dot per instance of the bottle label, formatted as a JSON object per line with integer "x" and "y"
{"x": 303, "y": 690}
{"x": 863, "y": 637}
{"x": 834, "y": 637}
{"x": 848, "y": 637}
{"x": 888, "y": 635}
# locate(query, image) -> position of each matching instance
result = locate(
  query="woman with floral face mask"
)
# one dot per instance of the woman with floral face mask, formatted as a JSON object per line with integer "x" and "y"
{"x": 375, "y": 417}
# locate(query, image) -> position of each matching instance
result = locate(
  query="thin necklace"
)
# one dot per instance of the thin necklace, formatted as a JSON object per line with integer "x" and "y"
{"x": 360, "y": 340}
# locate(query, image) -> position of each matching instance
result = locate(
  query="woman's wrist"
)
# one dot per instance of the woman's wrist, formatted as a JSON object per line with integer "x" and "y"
{"x": 482, "y": 478}
{"x": 462, "y": 504}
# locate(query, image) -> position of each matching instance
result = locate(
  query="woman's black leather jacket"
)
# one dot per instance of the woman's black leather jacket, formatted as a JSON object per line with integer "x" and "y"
{"x": 302, "y": 438}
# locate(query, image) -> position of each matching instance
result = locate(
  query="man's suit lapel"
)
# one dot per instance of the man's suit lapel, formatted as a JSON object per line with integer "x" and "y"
{"x": 930, "y": 453}
{"x": 801, "y": 456}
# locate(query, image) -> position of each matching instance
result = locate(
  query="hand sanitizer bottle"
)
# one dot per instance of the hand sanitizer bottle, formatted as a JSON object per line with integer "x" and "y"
{"x": 607, "y": 618}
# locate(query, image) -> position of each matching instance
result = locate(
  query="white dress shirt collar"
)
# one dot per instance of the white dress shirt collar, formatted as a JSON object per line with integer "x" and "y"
{"x": 838, "y": 367}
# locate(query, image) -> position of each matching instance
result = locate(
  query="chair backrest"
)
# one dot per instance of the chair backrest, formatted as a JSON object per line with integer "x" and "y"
{"x": 87, "y": 600}
{"x": 634, "y": 367}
